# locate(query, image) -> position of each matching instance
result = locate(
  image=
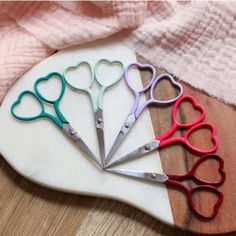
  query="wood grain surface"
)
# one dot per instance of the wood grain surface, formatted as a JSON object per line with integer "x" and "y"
{"x": 176, "y": 159}
{"x": 28, "y": 209}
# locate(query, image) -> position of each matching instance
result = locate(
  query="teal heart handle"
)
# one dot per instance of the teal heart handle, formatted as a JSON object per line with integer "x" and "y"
{"x": 46, "y": 78}
{"x": 18, "y": 101}
{"x": 56, "y": 101}
{"x": 42, "y": 114}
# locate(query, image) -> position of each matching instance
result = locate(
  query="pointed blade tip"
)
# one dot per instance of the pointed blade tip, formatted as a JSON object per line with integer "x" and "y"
{"x": 114, "y": 170}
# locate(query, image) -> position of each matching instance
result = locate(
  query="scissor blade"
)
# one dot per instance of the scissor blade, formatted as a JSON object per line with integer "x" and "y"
{"x": 100, "y": 134}
{"x": 128, "y": 124}
{"x": 156, "y": 177}
{"x": 69, "y": 130}
{"x": 149, "y": 147}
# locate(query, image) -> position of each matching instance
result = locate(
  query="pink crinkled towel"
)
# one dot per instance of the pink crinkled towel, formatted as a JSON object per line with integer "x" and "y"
{"x": 195, "y": 41}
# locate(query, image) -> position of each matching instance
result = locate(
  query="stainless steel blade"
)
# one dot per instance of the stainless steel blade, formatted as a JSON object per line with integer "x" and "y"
{"x": 121, "y": 136}
{"x": 149, "y": 147}
{"x": 70, "y": 131}
{"x": 156, "y": 177}
{"x": 100, "y": 134}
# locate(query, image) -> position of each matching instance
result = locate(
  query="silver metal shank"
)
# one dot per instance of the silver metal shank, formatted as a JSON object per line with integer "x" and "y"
{"x": 70, "y": 132}
{"x": 149, "y": 147}
{"x": 99, "y": 122}
{"x": 155, "y": 177}
{"x": 128, "y": 124}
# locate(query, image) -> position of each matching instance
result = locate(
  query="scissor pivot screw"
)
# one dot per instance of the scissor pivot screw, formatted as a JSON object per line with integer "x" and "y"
{"x": 153, "y": 176}
{"x": 72, "y": 132}
{"x": 147, "y": 147}
{"x": 99, "y": 121}
{"x": 127, "y": 126}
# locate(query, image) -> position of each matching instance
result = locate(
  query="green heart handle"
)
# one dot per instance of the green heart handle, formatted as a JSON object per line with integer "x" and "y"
{"x": 104, "y": 87}
{"x": 80, "y": 88}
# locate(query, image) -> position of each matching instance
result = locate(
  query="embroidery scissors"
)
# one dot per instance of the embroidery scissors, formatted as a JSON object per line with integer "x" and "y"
{"x": 173, "y": 181}
{"x": 97, "y": 102}
{"x": 137, "y": 109}
{"x": 61, "y": 121}
{"x": 165, "y": 139}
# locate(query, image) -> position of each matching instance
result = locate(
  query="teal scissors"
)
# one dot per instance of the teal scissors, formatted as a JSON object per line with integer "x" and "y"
{"x": 60, "y": 120}
{"x": 97, "y": 101}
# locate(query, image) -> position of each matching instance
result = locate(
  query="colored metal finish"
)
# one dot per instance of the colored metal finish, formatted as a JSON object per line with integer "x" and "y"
{"x": 97, "y": 101}
{"x": 60, "y": 120}
{"x": 173, "y": 181}
{"x": 137, "y": 109}
{"x": 165, "y": 139}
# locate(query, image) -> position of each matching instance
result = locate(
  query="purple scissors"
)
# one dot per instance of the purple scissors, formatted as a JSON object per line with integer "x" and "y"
{"x": 137, "y": 109}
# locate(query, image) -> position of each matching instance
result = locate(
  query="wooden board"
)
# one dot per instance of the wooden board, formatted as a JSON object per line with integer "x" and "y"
{"x": 28, "y": 209}
{"x": 180, "y": 160}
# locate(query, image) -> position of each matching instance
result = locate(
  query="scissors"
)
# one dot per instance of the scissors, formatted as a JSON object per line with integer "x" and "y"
{"x": 61, "y": 121}
{"x": 97, "y": 102}
{"x": 137, "y": 109}
{"x": 173, "y": 180}
{"x": 165, "y": 140}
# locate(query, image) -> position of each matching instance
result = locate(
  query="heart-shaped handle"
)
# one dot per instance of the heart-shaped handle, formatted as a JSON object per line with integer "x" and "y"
{"x": 195, "y": 105}
{"x": 141, "y": 67}
{"x": 114, "y": 79}
{"x": 18, "y": 101}
{"x": 220, "y": 170}
{"x": 173, "y": 82}
{"x": 205, "y": 188}
{"x": 47, "y": 78}
{"x": 213, "y": 138}
{"x": 78, "y": 85}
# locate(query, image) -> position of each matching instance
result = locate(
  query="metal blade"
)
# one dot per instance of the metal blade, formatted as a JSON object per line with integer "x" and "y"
{"x": 100, "y": 134}
{"x": 156, "y": 177}
{"x": 69, "y": 130}
{"x": 115, "y": 146}
{"x": 121, "y": 136}
{"x": 149, "y": 147}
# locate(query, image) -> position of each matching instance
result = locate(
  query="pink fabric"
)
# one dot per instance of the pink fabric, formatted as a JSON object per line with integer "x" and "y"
{"x": 194, "y": 41}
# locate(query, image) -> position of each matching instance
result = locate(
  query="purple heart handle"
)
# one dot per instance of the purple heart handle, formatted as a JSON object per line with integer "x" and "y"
{"x": 141, "y": 67}
{"x": 173, "y": 82}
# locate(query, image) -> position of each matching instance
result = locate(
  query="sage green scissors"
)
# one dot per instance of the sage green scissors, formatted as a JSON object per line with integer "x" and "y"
{"x": 60, "y": 120}
{"x": 97, "y": 101}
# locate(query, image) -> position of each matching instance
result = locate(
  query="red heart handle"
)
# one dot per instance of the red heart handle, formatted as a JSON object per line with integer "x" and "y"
{"x": 205, "y": 188}
{"x": 192, "y": 173}
{"x": 196, "y": 106}
{"x": 176, "y": 124}
{"x": 199, "y": 188}
{"x": 213, "y": 138}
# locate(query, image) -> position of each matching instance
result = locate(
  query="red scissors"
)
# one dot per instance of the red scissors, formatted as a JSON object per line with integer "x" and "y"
{"x": 173, "y": 180}
{"x": 165, "y": 139}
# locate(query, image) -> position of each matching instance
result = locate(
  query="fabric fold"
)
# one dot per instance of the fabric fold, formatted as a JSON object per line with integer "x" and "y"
{"x": 196, "y": 41}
